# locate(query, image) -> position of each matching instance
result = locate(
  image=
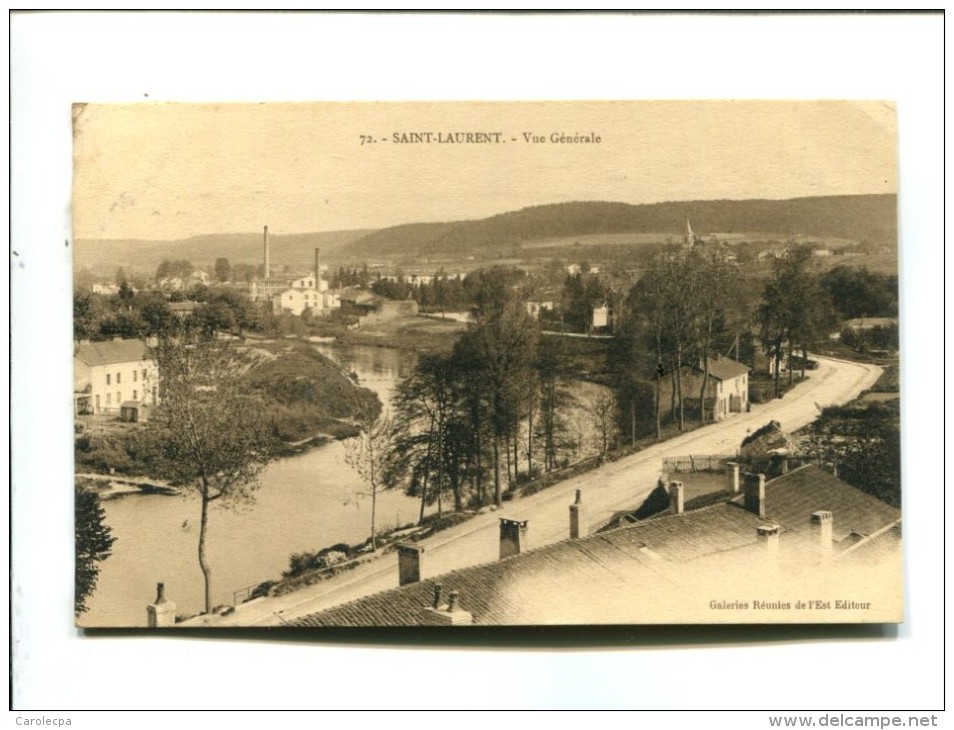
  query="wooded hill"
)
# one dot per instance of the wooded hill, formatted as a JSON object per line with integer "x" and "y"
{"x": 295, "y": 250}
{"x": 857, "y": 217}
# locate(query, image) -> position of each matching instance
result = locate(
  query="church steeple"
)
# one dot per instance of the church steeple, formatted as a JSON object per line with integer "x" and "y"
{"x": 690, "y": 237}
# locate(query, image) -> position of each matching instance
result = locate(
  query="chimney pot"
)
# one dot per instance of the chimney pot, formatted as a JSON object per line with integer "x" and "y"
{"x": 822, "y": 524}
{"x": 512, "y": 536}
{"x": 452, "y": 601}
{"x": 409, "y": 563}
{"x": 754, "y": 499}
{"x": 768, "y": 535}
{"x": 576, "y": 517}
{"x": 438, "y": 595}
{"x": 677, "y": 498}
{"x": 161, "y": 613}
{"x": 732, "y": 471}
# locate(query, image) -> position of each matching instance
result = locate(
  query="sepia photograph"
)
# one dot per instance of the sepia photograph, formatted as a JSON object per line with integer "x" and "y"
{"x": 482, "y": 363}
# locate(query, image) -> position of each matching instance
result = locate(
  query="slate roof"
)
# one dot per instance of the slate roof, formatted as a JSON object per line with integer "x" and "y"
{"x": 625, "y": 555}
{"x": 724, "y": 368}
{"x": 112, "y": 352}
{"x": 791, "y": 498}
{"x": 636, "y": 555}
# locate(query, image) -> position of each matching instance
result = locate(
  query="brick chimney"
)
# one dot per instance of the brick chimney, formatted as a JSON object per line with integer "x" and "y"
{"x": 161, "y": 613}
{"x": 732, "y": 474}
{"x": 768, "y": 536}
{"x": 409, "y": 564}
{"x": 268, "y": 268}
{"x": 449, "y": 614}
{"x": 754, "y": 499}
{"x": 677, "y": 498}
{"x": 513, "y": 534}
{"x": 577, "y": 527}
{"x": 822, "y": 524}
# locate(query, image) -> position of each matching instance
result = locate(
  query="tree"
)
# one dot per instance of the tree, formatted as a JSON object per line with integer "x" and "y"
{"x": 94, "y": 542}
{"x": 223, "y": 269}
{"x": 711, "y": 276}
{"x": 793, "y": 310}
{"x": 208, "y": 433}
{"x": 601, "y": 408}
{"x": 368, "y": 455}
{"x": 504, "y": 343}
{"x": 423, "y": 450}
{"x": 651, "y": 317}
{"x": 863, "y": 442}
{"x": 554, "y": 369}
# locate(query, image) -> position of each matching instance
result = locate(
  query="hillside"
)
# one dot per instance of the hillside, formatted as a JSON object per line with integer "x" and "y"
{"x": 294, "y": 250}
{"x": 855, "y": 217}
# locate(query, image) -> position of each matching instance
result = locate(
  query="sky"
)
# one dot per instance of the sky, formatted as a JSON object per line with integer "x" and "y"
{"x": 170, "y": 171}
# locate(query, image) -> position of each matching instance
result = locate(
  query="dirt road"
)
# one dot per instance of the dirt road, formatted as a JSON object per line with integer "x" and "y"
{"x": 612, "y": 487}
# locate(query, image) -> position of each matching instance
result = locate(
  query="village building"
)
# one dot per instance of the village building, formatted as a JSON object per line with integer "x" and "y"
{"x": 535, "y": 308}
{"x": 183, "y": 310}
{"x": 601, "y": 316}
{"x": 805, "y": 534}
{"x": 182, "y": 283}
{"x": 117, "y": 377}
{"x": 295, "y": 293}
{"x": 371, "y": 307}
{"x": 727, "y": 390}
{"x": 862, "y": 324}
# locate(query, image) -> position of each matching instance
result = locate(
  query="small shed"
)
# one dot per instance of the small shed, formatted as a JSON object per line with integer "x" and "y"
{"x": 133, "y": 411}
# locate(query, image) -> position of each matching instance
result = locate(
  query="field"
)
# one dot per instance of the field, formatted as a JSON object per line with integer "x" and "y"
{"x": 604, "y": 239}
{"x": 421, "y": 334}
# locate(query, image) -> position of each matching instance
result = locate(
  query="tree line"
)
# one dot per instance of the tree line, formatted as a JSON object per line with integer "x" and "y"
{"x": 463, "y": 421}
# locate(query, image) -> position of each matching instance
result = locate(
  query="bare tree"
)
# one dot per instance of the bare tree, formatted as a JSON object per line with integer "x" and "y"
{"x": 368, "y": 455}
{"x": 602, "y": 411}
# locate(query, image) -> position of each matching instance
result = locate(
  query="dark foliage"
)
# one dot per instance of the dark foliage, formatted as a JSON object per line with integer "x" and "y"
{"x": 93, "y": 540}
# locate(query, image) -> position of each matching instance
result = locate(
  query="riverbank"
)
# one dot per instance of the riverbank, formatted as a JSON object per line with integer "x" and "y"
{"x": 327, "y": 563}
{"x": 109, "y": 486}
{"x": 309, "y": 399}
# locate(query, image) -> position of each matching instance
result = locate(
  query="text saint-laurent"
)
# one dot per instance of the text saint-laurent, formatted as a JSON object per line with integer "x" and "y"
{"x": 447, "y": 137}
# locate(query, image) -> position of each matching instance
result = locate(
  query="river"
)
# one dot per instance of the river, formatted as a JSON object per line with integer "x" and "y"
{"x": 305, "y": 502}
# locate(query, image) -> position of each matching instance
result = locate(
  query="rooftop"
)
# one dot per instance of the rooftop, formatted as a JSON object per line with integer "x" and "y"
{"x": 639, "y": 572}
{"x": 724, "y": 368}
{"x": 112, "y": 352}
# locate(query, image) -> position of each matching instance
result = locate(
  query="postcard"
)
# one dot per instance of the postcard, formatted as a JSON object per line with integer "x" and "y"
{"x": 486, "y": 363}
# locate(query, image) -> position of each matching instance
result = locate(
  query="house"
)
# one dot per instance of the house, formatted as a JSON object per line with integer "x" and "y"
{"x": 114, "y": 376}
{"x": 601, "y": 316}
{"x": 861, "y": 324}
{"x": 535, "y": 309}
{"x": 183, "y": 310}
{"x": 373, "y": 308}
{"x": 181, "y": 283}
{"x": 756, "y": 554}
{"x": 358, "y": 302}
{"x": 727, "y": 390}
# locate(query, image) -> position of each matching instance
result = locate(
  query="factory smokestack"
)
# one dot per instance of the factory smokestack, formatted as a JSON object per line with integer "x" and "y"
{"x": 317, "y": 269}
{"x": 268, "y": 268}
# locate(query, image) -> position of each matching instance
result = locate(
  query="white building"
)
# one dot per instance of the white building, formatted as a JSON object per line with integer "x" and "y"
{"x": 109, "y": 375}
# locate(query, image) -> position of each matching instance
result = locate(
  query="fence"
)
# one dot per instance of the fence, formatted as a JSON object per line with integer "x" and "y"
{"x": 693, "y": 463}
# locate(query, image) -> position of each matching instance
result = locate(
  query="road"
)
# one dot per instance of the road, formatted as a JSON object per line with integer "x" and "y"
{"x": 613, "y": 487}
